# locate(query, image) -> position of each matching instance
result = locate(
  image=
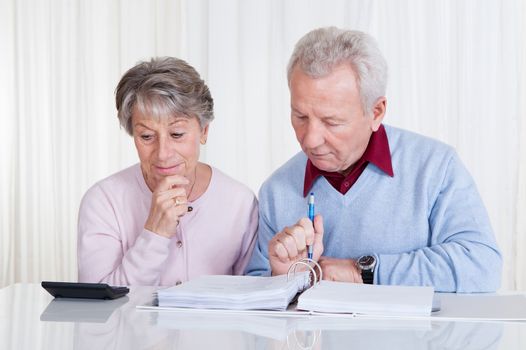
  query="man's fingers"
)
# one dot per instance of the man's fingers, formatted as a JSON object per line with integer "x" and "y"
{"x": 318, "y": 224}
{"x": 281, "y": 252}
{"x": 277, "y": 249}
{"x": 297, "y": 235}
{"x": 289, "y": 243}
{"x": 308, "y": 230}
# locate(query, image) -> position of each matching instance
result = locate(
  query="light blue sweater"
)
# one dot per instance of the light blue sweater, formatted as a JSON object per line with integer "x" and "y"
{"x": 426, "y": 225}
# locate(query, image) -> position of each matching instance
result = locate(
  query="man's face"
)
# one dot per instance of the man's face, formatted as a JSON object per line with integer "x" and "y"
{"x": 328, "y": 118}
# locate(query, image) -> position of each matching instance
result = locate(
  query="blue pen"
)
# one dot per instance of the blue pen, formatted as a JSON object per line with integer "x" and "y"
{"x": 311, "y": 217}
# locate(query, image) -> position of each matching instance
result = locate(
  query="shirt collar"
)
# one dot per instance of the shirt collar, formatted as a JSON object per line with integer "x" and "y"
{"x": 377, "y": 152}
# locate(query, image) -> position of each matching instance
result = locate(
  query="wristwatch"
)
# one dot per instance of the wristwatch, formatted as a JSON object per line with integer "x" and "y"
{"x": 366, "y": 263}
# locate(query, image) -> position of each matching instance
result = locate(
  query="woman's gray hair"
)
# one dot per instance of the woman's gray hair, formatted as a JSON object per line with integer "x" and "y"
{"x": 321, "y": 50}
{"x": 162, "y": 87}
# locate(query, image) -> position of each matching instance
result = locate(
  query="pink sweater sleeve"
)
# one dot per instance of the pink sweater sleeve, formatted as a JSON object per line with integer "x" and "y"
{"x": 106, "y": 255}
{"x": 249, "y": 241}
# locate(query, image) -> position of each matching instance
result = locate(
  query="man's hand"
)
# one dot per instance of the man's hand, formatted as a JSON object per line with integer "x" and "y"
{"x": 340, "y": 270}
{"x": 290, "y": 245}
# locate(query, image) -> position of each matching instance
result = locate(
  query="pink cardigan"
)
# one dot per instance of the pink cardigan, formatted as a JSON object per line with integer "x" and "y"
{"x": 217, "y": 237}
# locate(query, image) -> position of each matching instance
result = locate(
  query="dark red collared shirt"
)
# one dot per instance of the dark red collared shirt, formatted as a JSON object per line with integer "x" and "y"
{"x": 377, "y": 152}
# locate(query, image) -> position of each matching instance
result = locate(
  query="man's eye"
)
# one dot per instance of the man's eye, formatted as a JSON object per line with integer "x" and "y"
{"x": 177, "y": 135}
{"x": 333, "y": 123}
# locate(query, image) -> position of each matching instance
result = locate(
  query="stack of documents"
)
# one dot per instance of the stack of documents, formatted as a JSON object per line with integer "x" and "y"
{"x": 276, "y": 293}
{"x": 341, "y": 297}
{"x": 234, "y": 292}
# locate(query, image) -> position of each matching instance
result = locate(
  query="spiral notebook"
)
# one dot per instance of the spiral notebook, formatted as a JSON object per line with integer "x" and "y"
{"x": 277, "y": 292}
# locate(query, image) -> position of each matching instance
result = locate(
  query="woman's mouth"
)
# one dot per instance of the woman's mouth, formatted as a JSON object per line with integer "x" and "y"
{"x": 169, "y": 170}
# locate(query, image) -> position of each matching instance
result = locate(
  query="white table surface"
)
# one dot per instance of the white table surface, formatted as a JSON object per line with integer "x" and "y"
{"x": 31, "y": 319}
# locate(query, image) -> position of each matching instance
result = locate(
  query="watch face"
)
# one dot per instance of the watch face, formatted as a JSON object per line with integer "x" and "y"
{"x": 366, "y": 261}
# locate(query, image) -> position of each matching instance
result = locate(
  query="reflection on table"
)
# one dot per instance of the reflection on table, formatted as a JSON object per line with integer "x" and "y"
{"x": 31, "y": 319}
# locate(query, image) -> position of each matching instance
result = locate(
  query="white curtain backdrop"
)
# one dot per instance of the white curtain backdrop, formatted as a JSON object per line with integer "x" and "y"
{"x": 457, "y": 73}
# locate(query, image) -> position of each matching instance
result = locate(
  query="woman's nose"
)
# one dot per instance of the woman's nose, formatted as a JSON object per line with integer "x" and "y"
{"x": 164, "y": 149}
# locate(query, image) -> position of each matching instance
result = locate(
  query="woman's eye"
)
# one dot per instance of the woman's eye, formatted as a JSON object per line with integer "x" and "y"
{"x": 177, "y": 135}
{"x": 146, "y": 137}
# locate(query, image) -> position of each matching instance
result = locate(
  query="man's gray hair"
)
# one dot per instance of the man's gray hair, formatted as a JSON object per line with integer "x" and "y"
{"x": 162, "y": 87}
{"x": 321, "y": 50}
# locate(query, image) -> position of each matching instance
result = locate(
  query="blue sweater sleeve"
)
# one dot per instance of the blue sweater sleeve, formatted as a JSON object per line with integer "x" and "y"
{"x": 259, "y": 263}
{"x": 462, "y": 255}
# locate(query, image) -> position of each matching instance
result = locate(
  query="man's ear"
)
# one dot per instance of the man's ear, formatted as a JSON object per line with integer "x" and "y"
{"x": 378, "y": 113}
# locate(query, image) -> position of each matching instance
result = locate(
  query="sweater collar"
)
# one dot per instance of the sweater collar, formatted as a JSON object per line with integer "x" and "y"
{"x": 377, "y": 152}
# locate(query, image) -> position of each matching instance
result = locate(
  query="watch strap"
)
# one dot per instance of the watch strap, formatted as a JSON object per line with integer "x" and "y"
{"x": 368, "y": 276}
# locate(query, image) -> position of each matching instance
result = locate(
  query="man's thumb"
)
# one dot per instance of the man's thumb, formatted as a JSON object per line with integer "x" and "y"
{"x": 318, "y": 229}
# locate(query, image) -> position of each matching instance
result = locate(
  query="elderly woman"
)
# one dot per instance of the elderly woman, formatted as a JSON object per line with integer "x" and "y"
{"x": 170, "y": 218}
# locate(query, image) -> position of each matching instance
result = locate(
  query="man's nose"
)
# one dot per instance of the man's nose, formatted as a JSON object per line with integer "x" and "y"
{"x": 313, "y": 135}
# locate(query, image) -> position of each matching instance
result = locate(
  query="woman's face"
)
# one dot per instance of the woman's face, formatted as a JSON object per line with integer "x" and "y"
{"x": 167, "y": 146}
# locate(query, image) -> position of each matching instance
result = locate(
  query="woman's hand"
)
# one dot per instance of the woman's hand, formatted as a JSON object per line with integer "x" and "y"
{"x": 169, "y": 204}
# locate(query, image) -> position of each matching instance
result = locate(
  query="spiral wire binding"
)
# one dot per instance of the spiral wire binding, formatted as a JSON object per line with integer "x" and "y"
{"x": 314, "y": 278}
{"x": 311, "y": 265}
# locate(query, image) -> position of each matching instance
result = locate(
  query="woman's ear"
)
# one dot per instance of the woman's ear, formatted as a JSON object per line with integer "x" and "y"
{"x": 204, "y": 135}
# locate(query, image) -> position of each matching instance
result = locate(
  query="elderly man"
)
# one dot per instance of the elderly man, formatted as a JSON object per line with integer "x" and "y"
{"x": 393, "y": 207}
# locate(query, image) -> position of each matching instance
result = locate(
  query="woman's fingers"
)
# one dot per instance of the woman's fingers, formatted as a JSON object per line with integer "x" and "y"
{"x": 169, "y": 204}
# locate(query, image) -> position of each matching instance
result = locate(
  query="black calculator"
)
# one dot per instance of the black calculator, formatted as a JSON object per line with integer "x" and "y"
{"x": 84, "y": 290}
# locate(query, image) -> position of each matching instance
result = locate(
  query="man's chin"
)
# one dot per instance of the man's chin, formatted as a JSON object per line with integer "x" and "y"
{"x": 324, "y": 166}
